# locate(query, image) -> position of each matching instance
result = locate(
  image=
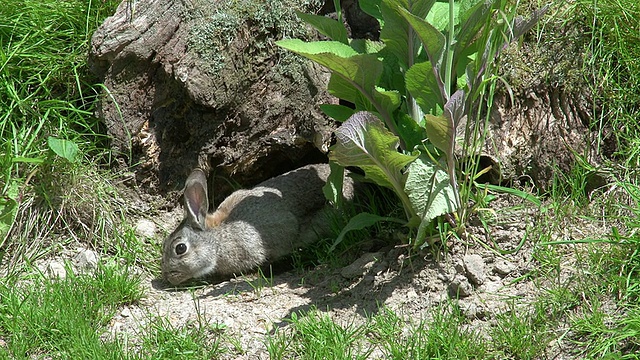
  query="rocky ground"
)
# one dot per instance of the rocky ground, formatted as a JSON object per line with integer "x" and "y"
{"x": 407, "y": 282}
{"x": 486, "y": 282}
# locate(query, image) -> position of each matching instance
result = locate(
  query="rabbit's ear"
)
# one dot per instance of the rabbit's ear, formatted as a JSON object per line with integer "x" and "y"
{"x": 196, "y": 202}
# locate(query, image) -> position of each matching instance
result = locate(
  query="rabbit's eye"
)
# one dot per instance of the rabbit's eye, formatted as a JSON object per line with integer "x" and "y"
{"x": 181, "y": 249}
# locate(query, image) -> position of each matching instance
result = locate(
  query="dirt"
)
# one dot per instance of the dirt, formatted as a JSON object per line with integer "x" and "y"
{"x": 409, "y": 283}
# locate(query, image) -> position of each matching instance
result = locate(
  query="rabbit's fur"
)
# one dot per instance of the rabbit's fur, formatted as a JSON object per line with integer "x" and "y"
{"x": 250, "y": 227}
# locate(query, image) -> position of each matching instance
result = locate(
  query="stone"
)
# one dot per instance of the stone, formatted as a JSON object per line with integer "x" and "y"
{"x": 86, "y": 260}
{"x": 145, "y": 228}
{"x": 460, "y": 287}
{"x": 126, "y": 312}
{"x": 503, "y": 267}
{"x": 361, "y": 266}
{"x": 474, "y": 266}
{"x": 471, "y": 310}
{"x": 55, "y": 269}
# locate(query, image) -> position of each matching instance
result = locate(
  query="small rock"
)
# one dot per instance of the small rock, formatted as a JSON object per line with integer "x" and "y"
{"x": 360, "y": 266}
{"x": 145, "y": 228}
{"x": 86, "y": 260}
{"x": 503, "y": 267}
{"x": 126, "y": 312}
{"x": 492, "y": 286}
{"x": 475, "y": 268}
{"x": 472, "y": 310}
{"x": 368, "y": 279}
{"x": 460, "y": 287}
{"x": 55, "y": 269}
{"x": 468, "y": 309}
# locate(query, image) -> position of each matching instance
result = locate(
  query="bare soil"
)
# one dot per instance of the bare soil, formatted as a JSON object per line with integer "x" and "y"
{"x": 410, "y": 283}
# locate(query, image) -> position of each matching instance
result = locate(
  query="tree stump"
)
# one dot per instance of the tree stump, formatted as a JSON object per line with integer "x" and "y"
{"x": 202, "y": 83}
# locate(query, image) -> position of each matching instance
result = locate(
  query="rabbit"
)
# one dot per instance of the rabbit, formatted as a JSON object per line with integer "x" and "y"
{"x": 250, "y": 227}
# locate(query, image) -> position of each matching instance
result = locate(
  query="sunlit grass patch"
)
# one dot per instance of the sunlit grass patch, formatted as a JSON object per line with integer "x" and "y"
{"x": 63, "y": 317}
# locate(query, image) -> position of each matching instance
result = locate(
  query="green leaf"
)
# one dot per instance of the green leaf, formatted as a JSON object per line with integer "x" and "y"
{"x": 359, "y": 88}
{"x": 337, "y": 112}
{"x": 309, "y": 49}
{"x": 423, "y": 86}
{"x": 506, "y": 190}
{"x": 472, "y": 21}
{"x": 433, "y": 40}
{"x": 439, "y": 15}
{"x": 64, "y": 148}
{"x": 332, "y": 190}
{"x": 429, "y": 189}
{"x": 350, "y": 72}
{"x": 27, "y": 160}
{"x": 409, "y": 130}
{"x": 343, "y": 89}
{"x": 396, "y": 32}
{"x": 392, "y": 77}
{"x": 357, "y": 71}
{"x": 454, "y": 109}
{"x": 365, "y": 142}
{"x": 361, "y": 221}
{"x": 326, "y": 26}
{"x": 8, "y": 210}
{"x": 390, "y": 100}
{"x": 438, "y": 131}
{"x": 366, "y": 46}
{"x": 441, "y": 129}
{"x": 372, "y": 7}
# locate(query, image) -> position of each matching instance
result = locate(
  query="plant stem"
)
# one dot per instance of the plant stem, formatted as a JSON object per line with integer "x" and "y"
{"x": 449, "y": 66}
{"x": 451, "y": 157}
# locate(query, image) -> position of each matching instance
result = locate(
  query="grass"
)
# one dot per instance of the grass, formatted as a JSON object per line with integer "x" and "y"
{"x": 48, "y": 203}
{"x": 314, "y": 335}
{"x": 162, "y": 340}
{"x": 60, "y": 317}
{"x": 613, "y": 29}
{"x": 387, "y": 335}
{"x": 46, "y": 91}
{"x": 68, "y": 318}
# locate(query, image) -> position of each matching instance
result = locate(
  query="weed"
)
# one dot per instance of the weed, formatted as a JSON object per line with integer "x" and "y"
{"x": 407, "y": 99}
{"x": 261, "y": 281}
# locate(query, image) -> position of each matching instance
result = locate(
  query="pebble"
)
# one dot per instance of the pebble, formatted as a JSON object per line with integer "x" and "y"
{"x": 503, "y": 267}
{"x": 460, "y": 287}
{"x": 86, "y": 260}
{"x": 145, "y": 228}
{"x": 55, "y": 269}
{"x": 126, "y": 312}
{"x": 474, "y": 266}
{"x": 361, "y": 266}
{"x": 472, "y": 310}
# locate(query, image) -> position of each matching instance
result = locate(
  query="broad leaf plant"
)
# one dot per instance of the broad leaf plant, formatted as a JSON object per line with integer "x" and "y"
{"x": 409, "y": 93}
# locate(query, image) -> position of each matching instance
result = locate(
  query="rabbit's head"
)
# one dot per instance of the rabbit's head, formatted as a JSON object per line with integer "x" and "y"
{"x": 189, "y": 252}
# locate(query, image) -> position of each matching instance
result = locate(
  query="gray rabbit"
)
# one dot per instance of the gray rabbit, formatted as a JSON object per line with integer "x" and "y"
{"x": 250, "y": 227}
